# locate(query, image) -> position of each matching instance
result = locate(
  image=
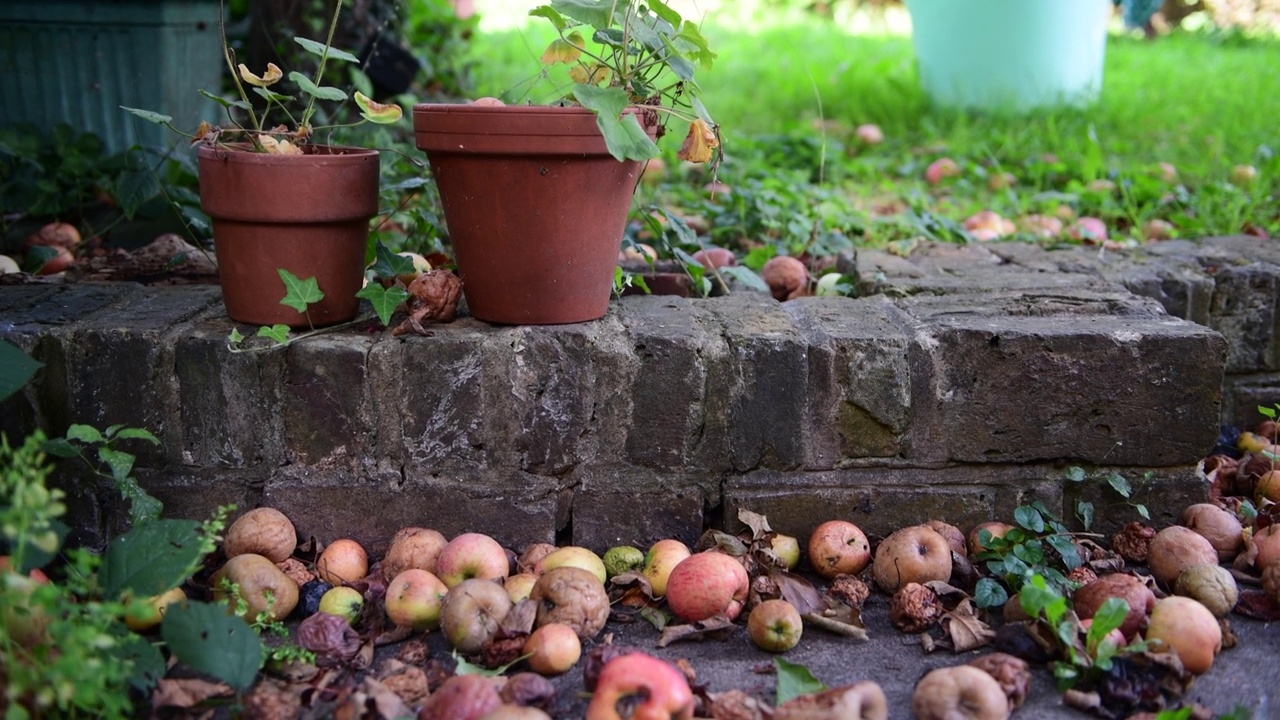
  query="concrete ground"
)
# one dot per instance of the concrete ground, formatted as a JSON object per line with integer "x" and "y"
{"x": 1248, "y": 674}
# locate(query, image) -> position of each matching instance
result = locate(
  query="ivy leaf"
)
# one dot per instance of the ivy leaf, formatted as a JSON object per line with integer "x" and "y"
{"x": 207, "y": 638}
{"x": 1120, "y": 484}
{"x": 1075, "y": 473}
{"x": 299, "y": 293}
{"x": 1084, "y": 511}
{"x": 277, "y": 332}
{"x": 795, "y": 680}
{"x": 150, "y": 559}
{"x": 388, "y": 264}
{"x": 16, "y": 368}
{"x": 385, "y": 300}
{"x": 624, "y": 137}
{"x": 305, "y": 84}
{"x": 235, "y": 338}
{"x": 989, "y": 593}
{"x": 318, "y": 48}
{"x": 1029, "y": 518}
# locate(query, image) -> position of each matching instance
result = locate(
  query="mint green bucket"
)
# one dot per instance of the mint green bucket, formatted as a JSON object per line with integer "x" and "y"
{"x": 1010, "y": 54}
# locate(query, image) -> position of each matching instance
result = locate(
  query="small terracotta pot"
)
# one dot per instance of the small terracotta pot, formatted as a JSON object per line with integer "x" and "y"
{"x": 308, "y": 214}
{"x": 535, "y": 206}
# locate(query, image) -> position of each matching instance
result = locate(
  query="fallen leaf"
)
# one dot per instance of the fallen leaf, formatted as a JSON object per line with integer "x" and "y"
{"x": 187, "y": 693}
{"x": 758, "y": 523}
{"x": 699, "y": 143}
{"x": 799, "y": 592}
{"x": 841, "y": 620}
{"x": 384, "y": 700}
{"x": 965, "y": 629}
{"x": 713, "y": 627}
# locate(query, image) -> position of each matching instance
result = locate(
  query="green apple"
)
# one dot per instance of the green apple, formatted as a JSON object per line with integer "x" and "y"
{"x": 342, "y": 601}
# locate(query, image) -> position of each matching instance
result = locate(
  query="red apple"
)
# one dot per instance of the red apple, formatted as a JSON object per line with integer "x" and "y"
{"x": 869, "y": 134}
{"x": 775, "y": 625}
{"x": 342, "y": 561}
{"x": 838, "y": 547}
{"x": 940, "y": 170}
{"x": 414, "y": 599}
{"x": 661, "y": 559}
{"x": 472, "y": 555}
{"x": 552, "y": 649}
{"x": 707, "y": 584}
{"x": 995, "y": 527}
{"x": 662, "y": 690}
{"x": 572, "y": 556}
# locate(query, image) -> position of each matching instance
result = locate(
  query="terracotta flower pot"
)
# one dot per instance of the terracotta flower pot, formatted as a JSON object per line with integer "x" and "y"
{"x": 536, "y": 208}
{"x": 308, "y": 214}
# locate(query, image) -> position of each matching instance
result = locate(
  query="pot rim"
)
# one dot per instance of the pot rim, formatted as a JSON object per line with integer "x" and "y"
{"x": 335, "y": 155}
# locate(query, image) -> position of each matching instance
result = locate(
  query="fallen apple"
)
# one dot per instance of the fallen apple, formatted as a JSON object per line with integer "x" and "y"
{"x": 1188, "y": 629}
{"x": 413, "y": 547}
{"x": 342, "y": 561}
{"x": 573, "y": 556}
{"x": 775, "y": 625}
{"x": 343, "y": 601}
{"x": 519, "y": 586}
{"x": 414, "y": 599}
{"x": 707, "y": 584}
{"x": 472, "y": 612}
{"x": 263, "y": 531}
{"x": 940, "y": 170}
{"x": 262, "y": 586}
{"x": 472, "y": 555}
{"x": 869, "y": 134}
{"x": 623, "y": 559}
{"x": 838, "y": 547}
{"x": 661, "y": 559}
{"x": 574, "y": 597}
{"x": 915, "y": 554}
{"x": 648, "y": 687}
{"x": 148, "y": 613}
{"x": 552, "y": 649}
{"x": 787, "y": 549}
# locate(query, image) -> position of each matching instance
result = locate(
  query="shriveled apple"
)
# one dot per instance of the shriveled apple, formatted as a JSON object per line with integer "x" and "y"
{"x": 413, "y": 547}
{"x": 574, "y": 597}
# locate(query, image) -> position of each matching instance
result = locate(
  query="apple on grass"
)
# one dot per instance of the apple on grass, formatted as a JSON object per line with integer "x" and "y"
{"x": 775, "y": 625}
{"x": 470, "y": 556}
{"x": 414, "y": 599}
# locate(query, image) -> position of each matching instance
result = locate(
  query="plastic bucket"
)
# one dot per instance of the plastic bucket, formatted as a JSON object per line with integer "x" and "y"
{"x": 1010, "y": 54}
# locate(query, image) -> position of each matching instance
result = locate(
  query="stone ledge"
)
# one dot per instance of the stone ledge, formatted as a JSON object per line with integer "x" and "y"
{"x": 961, "y": 386}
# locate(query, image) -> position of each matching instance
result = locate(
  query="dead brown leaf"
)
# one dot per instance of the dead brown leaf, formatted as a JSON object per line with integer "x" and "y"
{"x": 714, "y": 627}
{"x": 187, "y": 693}
{"x": 965, "y": 629}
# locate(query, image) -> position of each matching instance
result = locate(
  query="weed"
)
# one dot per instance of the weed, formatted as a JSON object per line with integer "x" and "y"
{"x": 1040, "y": 546}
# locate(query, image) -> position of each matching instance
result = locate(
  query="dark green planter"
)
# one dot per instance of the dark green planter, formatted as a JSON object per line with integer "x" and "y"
{"x": 78, "y": 61}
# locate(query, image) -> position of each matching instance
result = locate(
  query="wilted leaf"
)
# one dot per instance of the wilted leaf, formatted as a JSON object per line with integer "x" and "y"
{"x": 841, "y": 620}
{"x": 272, "y": 146}
{"x": 713, "y": 627}
{"x": 758, "y": 523}
{"x": 722, "y": 541}
{"x": 187, "y": 692}
{"x": 563, "y": 50}
{"x": 594, "y": 74}
{"x": 376, "y": 112}
{"x": 267, "y": 79}
{"x": 699, "y": 143}
{"x": 965, "y": 629}
{"x": 799, "y": 592}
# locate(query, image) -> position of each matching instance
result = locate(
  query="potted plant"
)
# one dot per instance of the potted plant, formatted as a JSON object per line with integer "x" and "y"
{"x": 290, "y": 217}
{"x": 1010, "y": 54}
{"x": 536, "y": 197}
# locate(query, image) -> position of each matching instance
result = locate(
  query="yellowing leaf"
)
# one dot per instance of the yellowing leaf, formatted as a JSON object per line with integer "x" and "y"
{"x": 381, "y": 113}
{"x": 591, "y": 74}
{"x": 269, "y": 78}
{"x": 273, "y": 146}
{"x": 699, "y": 143}
{"x": 564, "y": 50}
{"x": 203, "y": 131}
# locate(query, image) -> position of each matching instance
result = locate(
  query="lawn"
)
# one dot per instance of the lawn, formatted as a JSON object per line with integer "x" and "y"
{"x": 788, "y": 90}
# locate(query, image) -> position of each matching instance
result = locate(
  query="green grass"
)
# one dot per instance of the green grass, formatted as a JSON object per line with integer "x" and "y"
{"x": 1201, "y": 102}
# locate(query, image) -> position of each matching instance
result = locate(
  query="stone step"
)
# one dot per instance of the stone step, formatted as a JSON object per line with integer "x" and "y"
{"x": 963, "y": 383}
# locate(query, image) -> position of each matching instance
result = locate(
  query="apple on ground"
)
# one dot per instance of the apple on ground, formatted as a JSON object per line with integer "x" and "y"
{"x": 915, "y": 554}
{"x": 146, "y": 614}
{"x": 345, "y": 602}
{"x": 552, "y": 649}
{"x": 775, "y": 625}
{"x": 661, "y": 559}
{"x": 572, "y": 556}
{"x": 472, "y": 555}
{"x": 623, "y": 559}
{"x": 707, "y": 584}
{"x": 413, "y": 547}
{"x": 787, "y": 549}
{"x": 519, "y": 586}
{"x": 414, "y": 598}
{"x": 838, "y": 547}
{"x": 342, "y": 561}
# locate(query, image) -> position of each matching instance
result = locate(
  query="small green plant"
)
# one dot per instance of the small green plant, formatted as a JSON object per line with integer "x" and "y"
{"x": 100, "y": 451}
{"x": 1087, "y": 655}
{"x": 280, "y": 649}
{"x": 640, "y": 55}
{"x": 1039, "y": 546}
{"x": 1118, "y": 483}
{"x": 65, "y": 648}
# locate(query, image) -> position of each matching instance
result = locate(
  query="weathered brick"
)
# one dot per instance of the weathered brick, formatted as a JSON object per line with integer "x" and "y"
{"x": 1020, "y": 389}
{"x": 668, "y": 392}
{"x": 883, "y": 499}
{"x": 1244, "y": 311}
{"x": 325, "y": 415}
{"x": 1242, "y": 395}
{"x": 228, "y": 403}
{"x": 617, "y": 506}
{"x": 1165, "y": 492}
{"x": 859, "y": 393}
{"x": 768, "y": 366}
{"x": 331, "y": 506}
{"x": 68, "y": 305}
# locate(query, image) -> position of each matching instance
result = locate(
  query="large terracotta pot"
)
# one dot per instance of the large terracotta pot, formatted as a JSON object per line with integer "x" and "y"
{"x": 308, "y": 214}
{"x": 535, "y": 205}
